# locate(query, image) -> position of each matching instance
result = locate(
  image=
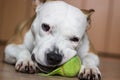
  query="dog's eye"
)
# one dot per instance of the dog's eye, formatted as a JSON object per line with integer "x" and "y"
{"x": 45, "y": 27}
{"x": 74, "y": 39}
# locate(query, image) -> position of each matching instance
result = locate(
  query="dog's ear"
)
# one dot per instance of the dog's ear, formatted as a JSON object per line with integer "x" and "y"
{"x": 88, "y": 13}
{"x": 36, "y": 3}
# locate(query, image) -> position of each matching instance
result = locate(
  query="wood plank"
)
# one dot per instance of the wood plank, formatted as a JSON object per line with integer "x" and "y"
{"x": 76, "y": 3}
{"x": 1, "y": 14}
{"x": 99, "y": 20}
{"x": 14, "y": 12}
{"x": 113, "y": 45}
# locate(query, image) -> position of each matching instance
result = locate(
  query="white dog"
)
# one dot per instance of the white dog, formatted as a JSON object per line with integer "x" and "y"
{"x": 52, "y": 37}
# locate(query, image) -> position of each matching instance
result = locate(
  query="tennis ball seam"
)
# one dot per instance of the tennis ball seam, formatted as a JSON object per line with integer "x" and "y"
{"x": 63, "y": 72}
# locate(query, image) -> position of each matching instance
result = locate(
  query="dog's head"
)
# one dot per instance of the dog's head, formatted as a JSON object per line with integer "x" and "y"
{"x": 58, "y": 30}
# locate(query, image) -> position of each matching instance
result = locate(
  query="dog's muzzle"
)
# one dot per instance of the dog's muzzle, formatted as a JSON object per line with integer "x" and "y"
{"x": 53, "y": 58}
{"x": 41, "y": 68}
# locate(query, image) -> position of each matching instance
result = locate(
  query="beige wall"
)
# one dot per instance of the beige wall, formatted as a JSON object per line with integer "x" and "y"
{"x": 105, "y": 31}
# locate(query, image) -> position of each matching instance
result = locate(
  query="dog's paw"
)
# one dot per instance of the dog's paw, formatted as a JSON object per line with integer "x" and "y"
{"x": 25, "y": 66}
{"x": 89, "y": 73}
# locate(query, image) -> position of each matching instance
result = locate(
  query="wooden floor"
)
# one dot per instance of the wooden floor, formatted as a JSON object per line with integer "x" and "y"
{"x": 110, "y": 69}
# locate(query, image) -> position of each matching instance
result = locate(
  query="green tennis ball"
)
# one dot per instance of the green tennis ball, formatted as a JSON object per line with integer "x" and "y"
{"x": 69, "y": 69}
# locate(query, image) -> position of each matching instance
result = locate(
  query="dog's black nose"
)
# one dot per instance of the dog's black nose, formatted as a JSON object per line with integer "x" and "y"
{"x": 53, "y": 58}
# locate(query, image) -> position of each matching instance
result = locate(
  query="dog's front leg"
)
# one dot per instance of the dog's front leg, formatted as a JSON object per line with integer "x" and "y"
{"x": 90, "y": 62}
{"x": 89, "y": 69}
{"x": 19, "y": 54}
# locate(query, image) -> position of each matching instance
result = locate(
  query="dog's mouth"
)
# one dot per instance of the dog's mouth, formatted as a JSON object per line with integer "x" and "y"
{"x": 46, "y": 69}
{"x": 41, "y": 68}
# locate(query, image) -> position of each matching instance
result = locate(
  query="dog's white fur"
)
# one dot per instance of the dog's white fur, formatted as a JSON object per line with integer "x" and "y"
{"x": 66, "y": 22}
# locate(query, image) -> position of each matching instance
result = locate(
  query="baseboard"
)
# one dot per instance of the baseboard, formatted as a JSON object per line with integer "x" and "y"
{"x": 111, "y": 55}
